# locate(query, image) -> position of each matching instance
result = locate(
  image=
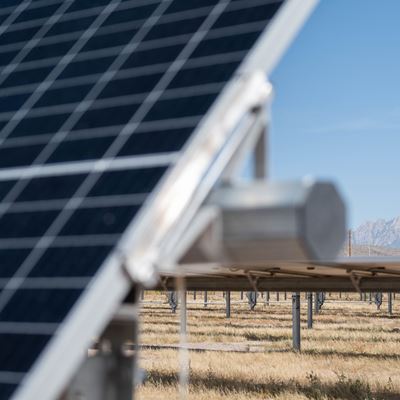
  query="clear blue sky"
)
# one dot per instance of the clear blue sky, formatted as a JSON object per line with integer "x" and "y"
{"x": 336, "y": 112}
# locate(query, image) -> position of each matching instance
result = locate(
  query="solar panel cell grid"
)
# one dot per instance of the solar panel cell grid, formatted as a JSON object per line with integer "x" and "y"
{"x": 19, "y": 351}
{"x": 68, "y": 262}
{"x": 11, "y": 259}
{"x": 32, "y": 305}
{"x": 19, "y": 156}
{"x": 81, "y": 81}
{"x": 78, "y": 150}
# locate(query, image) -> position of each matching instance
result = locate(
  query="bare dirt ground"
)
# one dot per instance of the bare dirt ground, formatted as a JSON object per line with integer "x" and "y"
{"x": 352, "y": 352}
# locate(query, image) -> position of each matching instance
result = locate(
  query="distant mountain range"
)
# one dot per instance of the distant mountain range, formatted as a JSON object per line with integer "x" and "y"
{"x": 380, "y": 233}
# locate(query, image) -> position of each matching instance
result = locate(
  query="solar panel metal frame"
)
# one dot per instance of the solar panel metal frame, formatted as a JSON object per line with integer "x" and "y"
{"x": 66, "y": 351}
{"x": 348, "y": 274}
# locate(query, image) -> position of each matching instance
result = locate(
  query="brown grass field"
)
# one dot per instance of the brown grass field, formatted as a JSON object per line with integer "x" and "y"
{"x": 352, "y": 352}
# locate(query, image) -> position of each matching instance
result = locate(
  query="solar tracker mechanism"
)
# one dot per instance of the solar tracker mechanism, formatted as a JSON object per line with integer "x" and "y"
{"x": 118, "y": 118}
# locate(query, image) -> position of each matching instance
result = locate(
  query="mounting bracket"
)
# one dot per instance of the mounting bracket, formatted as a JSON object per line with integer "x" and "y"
{"x": 107, "y": 372}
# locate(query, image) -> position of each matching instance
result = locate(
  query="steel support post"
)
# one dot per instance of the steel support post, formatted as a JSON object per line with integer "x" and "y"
{"x": 277, "y": 296}
{"x": 296, "y": 320}
{"x": 228, "y": 303}
{"x": 309, "y": 310}
{"x": 316, "y": 305}
{"x": 390, "y": 303}
{"x": 266, "y": 298}
{"x": 285, "y": 296}
{"x": 205, "y": 298}
{"x": 194, "y": 295}
{"x": 183, "y": 310}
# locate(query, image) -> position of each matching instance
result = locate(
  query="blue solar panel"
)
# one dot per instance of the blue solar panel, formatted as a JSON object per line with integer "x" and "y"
{"x": 83, "y": 81}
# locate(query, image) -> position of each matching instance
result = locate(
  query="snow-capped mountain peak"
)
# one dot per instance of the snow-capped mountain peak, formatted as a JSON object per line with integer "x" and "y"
{"x": 378, "y": 233}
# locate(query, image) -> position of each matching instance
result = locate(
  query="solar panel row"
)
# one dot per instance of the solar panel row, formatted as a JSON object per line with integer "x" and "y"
{"x": 103, "y": 95}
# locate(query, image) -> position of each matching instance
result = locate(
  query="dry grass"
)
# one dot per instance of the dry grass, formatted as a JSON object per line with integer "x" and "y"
{"x": 353, "y": 352}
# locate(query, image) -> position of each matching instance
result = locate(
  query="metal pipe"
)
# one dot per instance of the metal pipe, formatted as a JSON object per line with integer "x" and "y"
{"x": 316, "y": 305}
{"x": 296, "y": 320}
{"x": 183, "y": 350}
{"x": 309, "y": 310}
{"x": 228, "y": 303}
{"x": 390, "y": 303}
{"x": 205, "y": 298}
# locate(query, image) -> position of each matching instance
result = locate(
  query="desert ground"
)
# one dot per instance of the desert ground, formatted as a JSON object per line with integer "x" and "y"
{"x": 352, "y": 352}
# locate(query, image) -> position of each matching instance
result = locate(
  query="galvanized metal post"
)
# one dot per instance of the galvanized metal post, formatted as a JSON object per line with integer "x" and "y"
{"x": 194, "y": 295}
{"x": 309, "y": 310}
{"x": 277, "y": 296}
{"x": 183, "y": 311}
{"x": 228, "y": 303}
{"x": 241, "y": 295}
{"x": 316, "y": 305}
{"x": 267, "y": 298}
{"x": 205, "y": 298}
{"x": 285, "y": 296}
{"x": 390, "y": 304}
{"x": 296, "y": 321}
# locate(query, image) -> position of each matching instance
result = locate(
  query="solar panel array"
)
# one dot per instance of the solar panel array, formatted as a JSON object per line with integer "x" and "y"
{"x": 97, "y": 100}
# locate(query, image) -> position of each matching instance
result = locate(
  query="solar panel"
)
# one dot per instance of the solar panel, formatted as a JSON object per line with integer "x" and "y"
{"x": 98, "y": 102}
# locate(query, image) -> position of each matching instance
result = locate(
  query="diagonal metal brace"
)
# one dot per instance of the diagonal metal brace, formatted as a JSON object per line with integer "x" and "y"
{"x": 355, "y": 280}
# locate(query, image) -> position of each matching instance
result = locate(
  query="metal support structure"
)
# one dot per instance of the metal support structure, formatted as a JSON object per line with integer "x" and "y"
{"x": 277, "y": 296}
{"x": 228, "y": 303}
{"x": 390, "y": 303}
{"x": 205, "y": 298}
{"x": 109, "y": 373}
{"x": 378, "y": 300}
{"x": 172, "y": 300}
{"x": 309, "y": 310}
{"x": 266, "y": 301}
{"x": 316, "y": 305}
{"x": 184, "y": 361}
{"x": 183, "y": 310}
{"x": 194, "y": 295}
{"x": 252, "y": 299}
{"x": 296, "y": 321}
{"x": 260, "y": 156}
